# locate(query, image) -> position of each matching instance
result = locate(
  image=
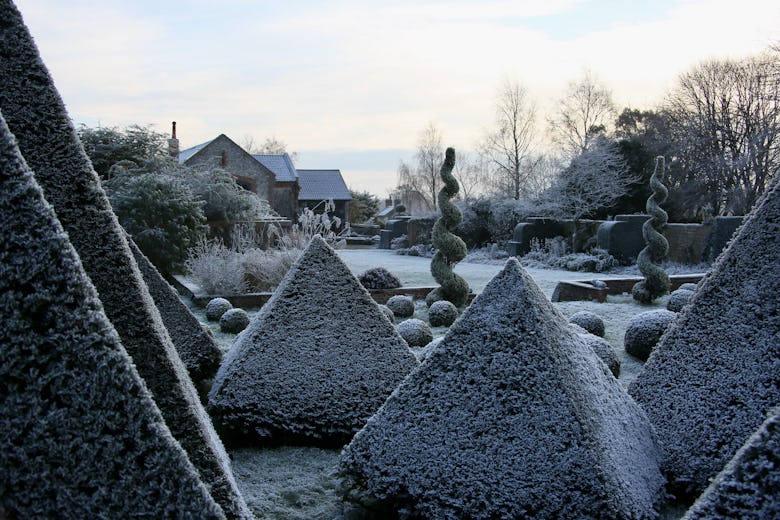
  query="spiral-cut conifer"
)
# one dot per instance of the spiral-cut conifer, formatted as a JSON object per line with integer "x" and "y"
{"x": 656, "y": 282}
{"x": 451, "y": 249}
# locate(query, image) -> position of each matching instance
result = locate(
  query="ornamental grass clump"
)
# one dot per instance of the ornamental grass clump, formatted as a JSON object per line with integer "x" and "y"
{"x": 656, "y": 282}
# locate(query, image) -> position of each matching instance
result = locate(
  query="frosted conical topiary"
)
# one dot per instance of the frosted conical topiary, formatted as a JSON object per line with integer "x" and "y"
{"x": 450, "y": 248}
{"x": 36, "y": 115}
{"x": 195, "y": 345}
{"x": 80, "y": 437}
{"x": 656, "y": 282}
{"x": 748, "y": 488}
{"x": 315, "y": 363}
{"x": 715, "y": 374}
{"x": 510, "y": 416}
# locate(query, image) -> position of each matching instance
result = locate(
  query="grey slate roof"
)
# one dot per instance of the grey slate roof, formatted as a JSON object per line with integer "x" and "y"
{"x": 280, "y": 164}
{"x": 315, "y": 363}
{"x": 80, "y": 436}
{"x": 36, "y": 114}
{"x": 322, "y": 185}
{"x": 510, "y": 416}
{"x": 189, "y": 152}
{"x": 748, "y": 488}
{"x": 715, "y": 373}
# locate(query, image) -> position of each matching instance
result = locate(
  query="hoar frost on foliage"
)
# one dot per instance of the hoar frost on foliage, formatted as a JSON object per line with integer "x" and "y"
{"x": 80, "y": 437}
{"x": 511, "y": 415}
{"x": 314, "y": 364}
{"x": 195, "y": 345}
{"x": 715, "y": 374}
{"x": 644, "y": 331}
{"x": 36, "y": 115}
{"x": 749, "y": 486}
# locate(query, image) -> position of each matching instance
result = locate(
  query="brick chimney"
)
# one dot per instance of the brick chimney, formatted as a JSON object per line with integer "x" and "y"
{"x": 173, "y": 143}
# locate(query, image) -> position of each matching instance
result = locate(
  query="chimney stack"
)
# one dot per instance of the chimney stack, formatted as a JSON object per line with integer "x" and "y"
{"x": 173, "y": 143}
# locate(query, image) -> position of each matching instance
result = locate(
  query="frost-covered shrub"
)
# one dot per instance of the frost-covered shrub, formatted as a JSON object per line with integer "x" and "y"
{"x": 589, "y": 321}
{"x": 388, "y": 312}
{"x": 555, "y": 253}
{"x": 401, "y": 242}
{"x": 415, "y": 332}
{"x": 689, "y": 286}
{"x": 442, "y": 314}
{"x": 216, "y": 307}
{"x": 678, "y": 299}
{"x": 233, "y": 321}
{"x": 402, "y": 306}
{"x": 423, "y": 353}
{"x": 37, "y": 117}
{"x": 194, "y": 343}
{"x": 379, "y": 278}
{"x": 601, "y": 347}
{"x": 644, "y": 330}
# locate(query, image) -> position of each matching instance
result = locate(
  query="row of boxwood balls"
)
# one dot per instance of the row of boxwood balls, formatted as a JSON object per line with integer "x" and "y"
{"x": 230, "y": 320}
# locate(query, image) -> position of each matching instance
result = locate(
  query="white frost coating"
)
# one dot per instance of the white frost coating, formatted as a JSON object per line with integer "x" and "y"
{"x": 645, "y": 330}
{"x": 715, "y": 374}
{"x": 35, "y": 113}
{"x": 749, "y": 486}
{"x": 196, "y": 347}
{"x": 509, "y": 416}
{"x": 415, "y": 332}
{"x": 81, "y": 436}
{"x": 315, "y": 363}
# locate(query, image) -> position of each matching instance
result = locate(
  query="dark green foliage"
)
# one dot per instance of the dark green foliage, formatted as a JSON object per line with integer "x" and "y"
{"x": 379, "y": 278}
{"x": 36, "y": 115}
{"x": 233, "y": 321}
{"x": 451, "y": 249}
{"x": 656, "y": 282}
{"x": 107, "y": 146}
{"x": 80, "y": 435}
{"x": 362, "y": 207}
{"x": 161, "y": 214}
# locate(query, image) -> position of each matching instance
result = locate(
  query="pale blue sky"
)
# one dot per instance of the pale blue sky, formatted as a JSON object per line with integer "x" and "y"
{"x": 351, "y": 84}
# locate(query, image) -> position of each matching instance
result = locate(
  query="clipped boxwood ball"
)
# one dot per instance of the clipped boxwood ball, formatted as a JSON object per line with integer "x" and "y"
{"x": 379, "y": 278}
{"x": 216, "y": 307}
{"x": 388, "y": 312}
{"x": 415, "y": 332}
{"x": 589, "y": 321}
{"x": 442, "y": 314}
{"x": 234, "y": 321}
{"x": 645, "y": 330}
{"x": 689, "y": 286}
{"x": 678, "y": 299}
{"x": 402, "y": 306}
{"x": 603, "y": 350}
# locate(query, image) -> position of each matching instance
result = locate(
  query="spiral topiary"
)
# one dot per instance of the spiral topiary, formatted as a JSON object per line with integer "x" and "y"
{"x": 451, "y": 249}
{"x": 656, "y": 282}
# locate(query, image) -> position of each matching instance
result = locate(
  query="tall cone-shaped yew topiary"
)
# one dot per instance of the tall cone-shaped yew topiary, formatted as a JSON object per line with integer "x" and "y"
{"x": 656, "y": 282}
{"x": 450, "y": 248}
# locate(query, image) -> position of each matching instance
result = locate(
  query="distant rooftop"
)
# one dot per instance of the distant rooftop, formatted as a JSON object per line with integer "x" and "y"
{"x": 280, "y": 164}
{"x": 189, "y": 152}
{"x": 322, "y": 185}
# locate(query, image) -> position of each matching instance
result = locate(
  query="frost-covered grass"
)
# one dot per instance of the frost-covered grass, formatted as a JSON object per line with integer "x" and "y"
{"x": 299, "y": 482}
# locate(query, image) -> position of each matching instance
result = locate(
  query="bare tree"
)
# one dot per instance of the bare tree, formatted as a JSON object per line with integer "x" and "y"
{"x": 423, "y": 178}
{"x": 507, "y": 145}
{"x": 725, "y": 129}
{"x": 271, "y": 145}
{"x": 472, "y": 172}
{"x": 593, "y": 181}
{"x": 581, "y": 115}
